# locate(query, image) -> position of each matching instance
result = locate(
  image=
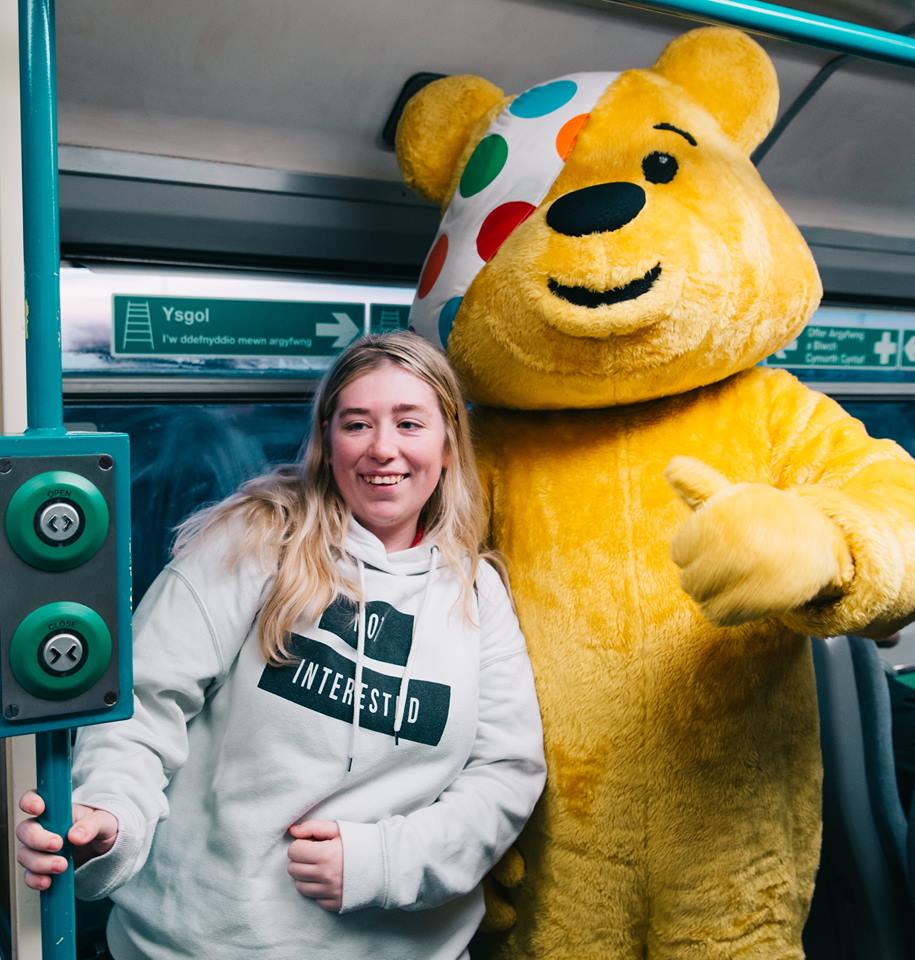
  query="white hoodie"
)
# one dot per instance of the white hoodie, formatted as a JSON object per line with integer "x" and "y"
{"x": 223, "y": 753}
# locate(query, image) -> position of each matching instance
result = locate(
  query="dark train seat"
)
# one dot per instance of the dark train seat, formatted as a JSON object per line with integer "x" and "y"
{"x": 863, "y": 907}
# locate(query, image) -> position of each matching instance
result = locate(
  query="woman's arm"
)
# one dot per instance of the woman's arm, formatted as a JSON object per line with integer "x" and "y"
{"x": 187, "y": 631}
{"x": 443, "y": 851}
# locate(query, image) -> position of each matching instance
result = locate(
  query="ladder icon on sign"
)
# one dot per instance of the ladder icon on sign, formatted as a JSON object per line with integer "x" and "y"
{"x": 138, "y": 328}
{"x": 389, "y": 321}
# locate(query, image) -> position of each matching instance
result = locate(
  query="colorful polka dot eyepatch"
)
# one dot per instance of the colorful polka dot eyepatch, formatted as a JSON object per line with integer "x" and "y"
{"x": 506, "y": 178}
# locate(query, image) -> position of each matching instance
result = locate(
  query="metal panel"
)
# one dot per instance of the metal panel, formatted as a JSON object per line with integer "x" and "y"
{"x": 158, "y": 207}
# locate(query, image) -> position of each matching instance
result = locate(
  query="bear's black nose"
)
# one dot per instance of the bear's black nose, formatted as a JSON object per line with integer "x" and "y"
{"x": 597, "y": 209}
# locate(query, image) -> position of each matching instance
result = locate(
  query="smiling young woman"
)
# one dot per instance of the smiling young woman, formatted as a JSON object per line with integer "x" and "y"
{"x": 334, "y": 704}
{"x": 388, "y": 451}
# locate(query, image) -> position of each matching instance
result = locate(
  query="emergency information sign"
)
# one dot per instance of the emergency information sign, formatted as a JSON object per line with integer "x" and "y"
{"x": 850, "y": 341}
{"x": 842, "y": 347}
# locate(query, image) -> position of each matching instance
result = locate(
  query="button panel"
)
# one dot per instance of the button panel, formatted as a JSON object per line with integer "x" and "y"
{"x": 65, "y": 598}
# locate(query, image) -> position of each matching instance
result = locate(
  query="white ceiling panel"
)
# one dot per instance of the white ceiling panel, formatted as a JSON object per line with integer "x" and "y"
{"x": 307, "y": 86}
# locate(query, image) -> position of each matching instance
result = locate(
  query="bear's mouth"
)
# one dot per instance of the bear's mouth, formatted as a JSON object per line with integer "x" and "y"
{"x": 583, "y": 297}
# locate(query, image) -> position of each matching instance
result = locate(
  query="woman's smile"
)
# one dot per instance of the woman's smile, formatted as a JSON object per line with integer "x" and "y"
{"x": 384, "y": 480}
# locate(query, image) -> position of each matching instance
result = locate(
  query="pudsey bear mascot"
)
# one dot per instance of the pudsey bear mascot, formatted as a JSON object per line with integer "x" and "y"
{"x": 609, "y": 271}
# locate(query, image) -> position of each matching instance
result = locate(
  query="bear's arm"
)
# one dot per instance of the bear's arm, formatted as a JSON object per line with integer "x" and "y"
{"x": 866, "y": 487}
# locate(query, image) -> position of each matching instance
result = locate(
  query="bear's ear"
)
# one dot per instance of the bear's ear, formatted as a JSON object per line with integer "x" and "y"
{"x": 435, "y": 127}
{"x": 728, "y": 74}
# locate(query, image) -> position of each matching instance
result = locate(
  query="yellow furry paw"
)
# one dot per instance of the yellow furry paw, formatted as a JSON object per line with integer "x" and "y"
{"x": 751, "y": 551}
{"x": 509, "y": 871}
{"x": 500, "y": 914}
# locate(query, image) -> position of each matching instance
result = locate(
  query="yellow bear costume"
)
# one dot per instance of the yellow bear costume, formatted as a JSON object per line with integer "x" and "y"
{"x": 628, "y": 444}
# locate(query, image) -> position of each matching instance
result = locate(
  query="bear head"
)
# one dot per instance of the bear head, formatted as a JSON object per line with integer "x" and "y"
{"x": 649, "y": 260}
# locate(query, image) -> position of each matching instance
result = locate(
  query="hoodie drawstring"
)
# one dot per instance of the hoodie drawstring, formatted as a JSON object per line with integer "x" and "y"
{"x": 408, "y": 667}
{"x": 360, "y": 657}
{"x": 407, "y": 670}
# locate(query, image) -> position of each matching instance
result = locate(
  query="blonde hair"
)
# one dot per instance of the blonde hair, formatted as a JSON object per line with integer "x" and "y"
{"x": 295, "y": 518}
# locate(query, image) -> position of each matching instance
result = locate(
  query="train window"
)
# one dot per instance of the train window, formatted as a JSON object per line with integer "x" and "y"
{"x": 185, "y": 454}
{"x": 891, "y": 417}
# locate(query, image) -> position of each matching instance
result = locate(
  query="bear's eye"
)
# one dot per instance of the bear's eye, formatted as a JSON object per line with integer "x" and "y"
{"x": 659, "y": 167}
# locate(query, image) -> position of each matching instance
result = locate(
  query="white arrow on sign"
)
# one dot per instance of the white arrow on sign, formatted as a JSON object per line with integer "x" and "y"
{"x": 781, "y": 354}
{"x": 909, "y": 349}
{"x": 342, "y": 328}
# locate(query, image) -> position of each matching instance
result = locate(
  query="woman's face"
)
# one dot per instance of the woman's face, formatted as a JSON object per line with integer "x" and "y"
{"x": 387, "y": 451}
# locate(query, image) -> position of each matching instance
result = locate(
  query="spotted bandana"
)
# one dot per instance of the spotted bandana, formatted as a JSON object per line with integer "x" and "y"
{"x": 505, "y": 180}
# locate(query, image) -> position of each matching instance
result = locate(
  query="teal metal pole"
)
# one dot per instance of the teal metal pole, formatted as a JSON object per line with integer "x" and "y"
{"x": 58, "y": 924}
{"x": 794, "y": 25}
{"x": 44, "y": 392}
{"x": 41, "y": 230}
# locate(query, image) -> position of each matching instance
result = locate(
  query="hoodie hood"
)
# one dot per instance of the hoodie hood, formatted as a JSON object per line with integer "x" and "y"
{"x": 363, "y": 545}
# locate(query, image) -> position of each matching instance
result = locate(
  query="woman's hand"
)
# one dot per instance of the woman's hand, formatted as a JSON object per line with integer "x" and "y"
{"x": 316, "y": 862}
{"x": 93, "y": 833}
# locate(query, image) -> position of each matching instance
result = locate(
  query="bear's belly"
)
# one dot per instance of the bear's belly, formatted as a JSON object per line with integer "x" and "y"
{"x": 634, "y": 684}
{"x": 664, "y": 735}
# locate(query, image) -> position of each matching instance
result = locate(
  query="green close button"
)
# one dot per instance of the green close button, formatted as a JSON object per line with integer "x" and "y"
{"x": 57, "y": 520}
{"x": 60, "y": 650}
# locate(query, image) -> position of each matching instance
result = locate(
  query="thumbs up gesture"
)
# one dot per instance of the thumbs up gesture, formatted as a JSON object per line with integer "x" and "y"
{"x": 751, "y": 551}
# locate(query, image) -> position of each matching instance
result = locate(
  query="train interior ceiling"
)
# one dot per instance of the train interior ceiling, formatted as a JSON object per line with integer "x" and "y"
{"x": 231, "y": 150}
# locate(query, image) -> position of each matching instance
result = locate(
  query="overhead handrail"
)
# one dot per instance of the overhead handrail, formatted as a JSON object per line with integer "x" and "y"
{"x": 788, "y": 24}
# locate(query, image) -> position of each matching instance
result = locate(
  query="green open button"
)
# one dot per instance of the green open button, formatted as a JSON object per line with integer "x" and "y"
{"x": 57, "y": 520}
